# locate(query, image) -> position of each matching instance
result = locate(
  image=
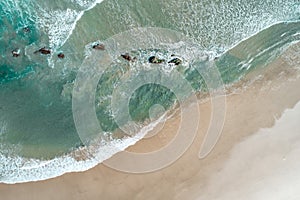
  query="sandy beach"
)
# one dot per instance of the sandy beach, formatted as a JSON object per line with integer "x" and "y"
{"x": 253, "y": 159}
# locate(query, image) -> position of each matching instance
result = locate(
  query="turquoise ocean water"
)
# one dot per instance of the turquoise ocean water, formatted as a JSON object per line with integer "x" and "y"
{"x": 38, "y": 137}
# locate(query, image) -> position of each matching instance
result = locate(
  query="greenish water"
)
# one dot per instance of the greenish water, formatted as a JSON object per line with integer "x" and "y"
{"x": 36, "y": 90}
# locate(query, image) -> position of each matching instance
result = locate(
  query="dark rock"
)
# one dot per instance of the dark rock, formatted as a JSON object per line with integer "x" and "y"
{"x": 43, "y": 51}
{"x": 175, "y": 61}
{"x": 61, "y": 55}
{"x": 127, "y": 57}
{"x": 16, "y": 52}
{"x": 26, "y": 29}
{"x": 155, "y": 60}
{"x": 99, "y": 46}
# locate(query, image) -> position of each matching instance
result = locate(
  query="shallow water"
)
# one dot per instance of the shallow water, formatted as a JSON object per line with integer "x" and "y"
{"x": 36, "y": 90}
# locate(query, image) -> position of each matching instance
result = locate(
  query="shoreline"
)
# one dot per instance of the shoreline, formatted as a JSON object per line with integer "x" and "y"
{"x": 276, "y": 91}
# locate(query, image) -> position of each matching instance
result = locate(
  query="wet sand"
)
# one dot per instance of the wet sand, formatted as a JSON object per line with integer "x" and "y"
{"x": 227, "y": 172}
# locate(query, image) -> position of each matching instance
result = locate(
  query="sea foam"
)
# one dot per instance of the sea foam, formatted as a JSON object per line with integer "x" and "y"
{"x": 19, "y": 169}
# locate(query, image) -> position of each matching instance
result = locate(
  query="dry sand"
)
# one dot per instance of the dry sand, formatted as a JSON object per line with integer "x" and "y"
{"x": 247, "y": 163}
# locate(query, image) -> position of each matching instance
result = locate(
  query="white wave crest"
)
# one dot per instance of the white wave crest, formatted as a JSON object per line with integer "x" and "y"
{"x": 18, "y": 169}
